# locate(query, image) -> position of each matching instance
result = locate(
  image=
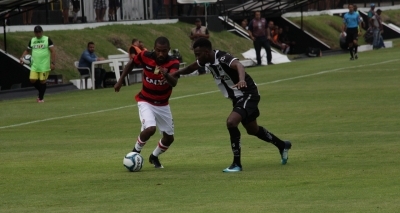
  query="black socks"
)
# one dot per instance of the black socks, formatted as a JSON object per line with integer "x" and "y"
{"x": 42, "y": 90}
{"x": 235, "y": 144}
{"x": 264, "y": 135}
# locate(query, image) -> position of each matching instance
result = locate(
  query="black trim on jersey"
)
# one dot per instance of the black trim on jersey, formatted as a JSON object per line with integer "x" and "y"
{"x": 141, "y": 96}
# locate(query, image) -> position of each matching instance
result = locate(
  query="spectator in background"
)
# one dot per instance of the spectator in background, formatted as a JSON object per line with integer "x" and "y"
{"x": 276, "y": 40}
{"x": 86, "y": 60}
{"x": 65, "y": 11}
{"x": 141, "y": 46}
{"x": 76, "y": 7}
{"x": 288, "y": 39}
{"x": 100, "y": 7}
{"x": 245, "y": 24}
{"x": 259, "y": 32}
{"x": 157, "y": 5}
{"x": 198, "y": 32}
{"x": 371, "y": 13}
{"x": 167, "y": 5}
{"x": 281, "y": 37}
{"x": 113, "y": 6}
{"x": 134, "y": 49}
{"x": 377, "y": 28}
{"x": 27, "y": 16}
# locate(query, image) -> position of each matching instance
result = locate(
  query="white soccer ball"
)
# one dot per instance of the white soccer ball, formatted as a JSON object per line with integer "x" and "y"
{"x": 133, "y": 161}
{"x": 27, "y": 59}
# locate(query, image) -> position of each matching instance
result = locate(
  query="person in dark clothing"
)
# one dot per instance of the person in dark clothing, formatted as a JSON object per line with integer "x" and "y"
{"x": 260, "y": 34}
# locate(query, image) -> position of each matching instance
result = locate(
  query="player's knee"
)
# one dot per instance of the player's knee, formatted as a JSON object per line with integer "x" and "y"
{"x": 33, "y": 81}
{"x": 231, "y": 123}
{"x": 251, "y": 131}
{"x": 43, "y": 82}
{"x": 151, "y": 130}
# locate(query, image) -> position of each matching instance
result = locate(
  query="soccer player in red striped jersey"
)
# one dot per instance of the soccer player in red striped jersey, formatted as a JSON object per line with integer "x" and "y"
{"x": 153, "y": 98}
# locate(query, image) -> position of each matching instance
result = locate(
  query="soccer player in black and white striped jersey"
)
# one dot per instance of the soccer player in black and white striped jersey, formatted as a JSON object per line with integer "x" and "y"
{"x": 237, "y": 85}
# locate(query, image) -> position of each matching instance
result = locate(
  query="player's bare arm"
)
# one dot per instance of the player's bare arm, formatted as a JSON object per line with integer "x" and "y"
{"x": 125, "y": 72}
{"x": 172, "y": 80}
{"x": 52, "y": 57}
{"x": 26, "y": 52}
{"x": 344, "y": 28}
{"x": 240, "y": 69}
{"x": 187, "y": 70}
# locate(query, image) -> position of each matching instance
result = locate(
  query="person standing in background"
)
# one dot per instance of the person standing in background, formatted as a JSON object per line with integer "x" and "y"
{"x": 260, "y": 33}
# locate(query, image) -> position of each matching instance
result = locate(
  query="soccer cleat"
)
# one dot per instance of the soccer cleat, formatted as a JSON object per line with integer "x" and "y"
{"x": 284, "y": 152}
{"x": 39, "y": 101}
{"x": 134, "y": 150}
{"x": 155, "y": 161}
{"x": 355, "y": 56}
{"x": 233, "y": 168}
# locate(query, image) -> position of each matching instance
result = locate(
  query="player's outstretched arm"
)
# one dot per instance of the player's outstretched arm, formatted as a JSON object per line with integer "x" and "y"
{"x": 187, "y": 70}
{"x": 125, "y": 72}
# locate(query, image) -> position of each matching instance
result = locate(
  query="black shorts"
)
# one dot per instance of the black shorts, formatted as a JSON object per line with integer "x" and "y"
{"x": 352, "y": 34}
{"x": 247, "y": 107}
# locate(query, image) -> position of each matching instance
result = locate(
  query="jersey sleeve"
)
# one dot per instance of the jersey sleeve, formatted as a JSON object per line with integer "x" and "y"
{"x": 29, "y": 45}
{"x": 50, "y": 43}
{"x": 227, "y": 59}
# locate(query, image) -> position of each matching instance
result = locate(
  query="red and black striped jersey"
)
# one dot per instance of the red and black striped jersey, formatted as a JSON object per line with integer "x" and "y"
{"x": 155, "y": 89}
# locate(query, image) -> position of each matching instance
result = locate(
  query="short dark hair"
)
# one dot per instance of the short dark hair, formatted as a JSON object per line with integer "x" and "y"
{"x": 89, "y": 43}
{"x": 202, "y": 42}
{"x": 197, "y": 20}
{"x": 162, "y": 40}
{"x": 378, "y": 10}
{"x": 38, "y": 29}
{"x": 134, "y": 40}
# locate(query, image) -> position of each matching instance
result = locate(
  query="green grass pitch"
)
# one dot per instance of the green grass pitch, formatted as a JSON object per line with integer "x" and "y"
{"x": 342, "y": 117}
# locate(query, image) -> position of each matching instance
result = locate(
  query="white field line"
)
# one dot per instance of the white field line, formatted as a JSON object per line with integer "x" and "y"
{"x": 197, "y": 94}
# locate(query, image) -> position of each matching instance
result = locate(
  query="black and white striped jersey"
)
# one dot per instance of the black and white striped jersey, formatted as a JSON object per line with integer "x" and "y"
{"x": 225, "y": 77}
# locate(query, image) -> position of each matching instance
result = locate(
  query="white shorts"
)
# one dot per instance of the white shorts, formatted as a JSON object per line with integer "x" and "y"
{"x": 159, "y": 116}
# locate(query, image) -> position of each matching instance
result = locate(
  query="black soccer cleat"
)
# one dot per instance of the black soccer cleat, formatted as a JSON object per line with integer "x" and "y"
{"x": 155, "y": 161}
{"x": 134, "y": 150}
{"x": 355, "y": 56}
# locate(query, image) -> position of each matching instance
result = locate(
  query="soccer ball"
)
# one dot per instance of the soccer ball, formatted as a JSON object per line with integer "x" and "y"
{"x": 133, "y": 161}
{"x": 27, "y": 59}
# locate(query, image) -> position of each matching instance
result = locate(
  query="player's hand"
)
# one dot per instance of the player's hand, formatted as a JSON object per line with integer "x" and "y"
{"x": 163, "y": 71}
{"x": 21, "y": 61}
{"x": 52, "y": 66}
{"x": 117, "y": 86}
{"x": 240, "y": 85}
{"x": 359, "y": 33}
